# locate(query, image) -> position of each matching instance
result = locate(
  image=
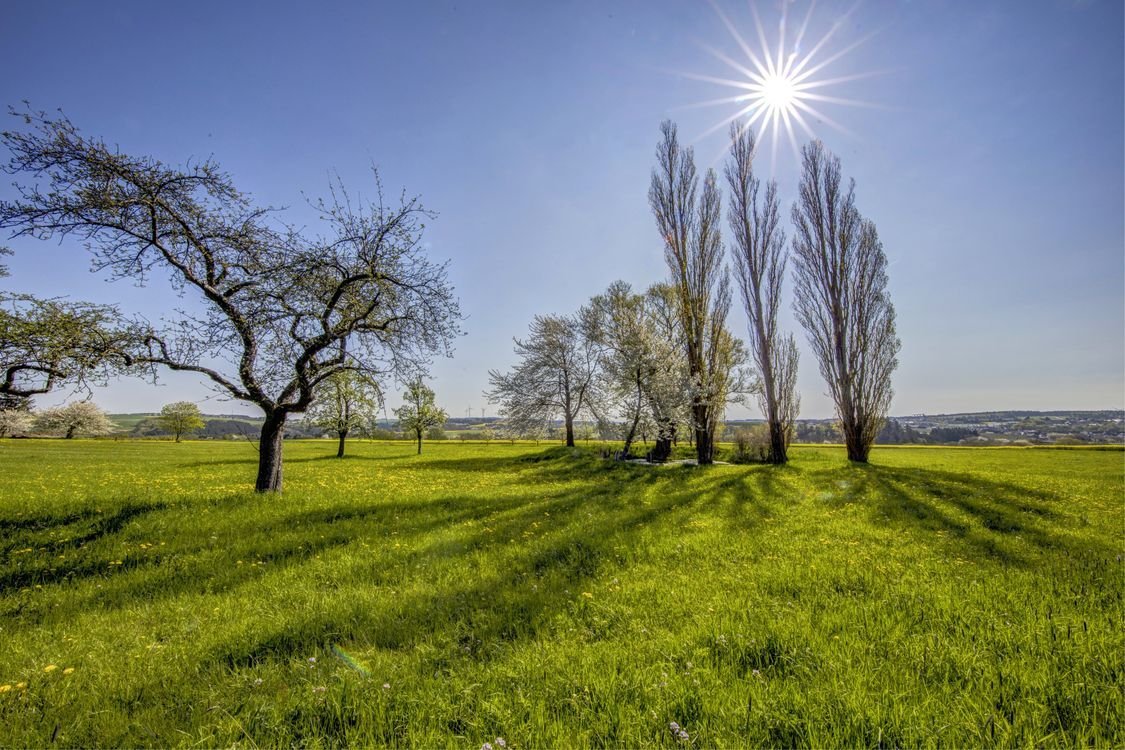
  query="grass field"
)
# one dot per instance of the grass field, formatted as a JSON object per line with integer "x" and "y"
{"x": 956, "y": 597}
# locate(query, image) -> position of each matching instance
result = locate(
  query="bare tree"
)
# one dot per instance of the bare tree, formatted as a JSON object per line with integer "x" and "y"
{"x": 840, "y": 272}
{"x": 760, "y": 260}
{"x": 688, "y": 220}
{"x": 555, "y": 377}
{"x": 281, "y": 311}
{"x": 344, "y": 402}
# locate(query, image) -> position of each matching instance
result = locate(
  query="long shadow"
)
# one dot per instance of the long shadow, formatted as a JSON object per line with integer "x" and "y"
{"x": 589, "y": 524}
{"x": 990, "y": 518}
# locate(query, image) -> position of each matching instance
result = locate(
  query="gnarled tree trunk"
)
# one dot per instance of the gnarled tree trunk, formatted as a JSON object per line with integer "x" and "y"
{"x": 269, "y": 454}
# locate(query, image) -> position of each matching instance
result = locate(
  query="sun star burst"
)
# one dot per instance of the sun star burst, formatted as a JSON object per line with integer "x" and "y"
{"x": 781, "y": 89}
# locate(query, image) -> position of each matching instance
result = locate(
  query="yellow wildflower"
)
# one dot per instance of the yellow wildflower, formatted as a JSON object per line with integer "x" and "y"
{"x": 21, "y": 685}
{"x": 587, "y": 594}
{"x": 68, "y": 670}
{"x": 50, "y": 668}
{"x": 5, "y": 688}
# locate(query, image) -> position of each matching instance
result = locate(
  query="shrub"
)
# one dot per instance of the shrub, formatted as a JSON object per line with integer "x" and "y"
{"x": 751, "y": 445}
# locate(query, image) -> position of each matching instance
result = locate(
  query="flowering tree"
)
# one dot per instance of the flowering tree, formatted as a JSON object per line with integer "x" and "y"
{"x": 418, "y": 412}
{"x": 79, "y": 418}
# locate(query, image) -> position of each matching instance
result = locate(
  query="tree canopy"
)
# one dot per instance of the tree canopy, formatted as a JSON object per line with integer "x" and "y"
{"x": 281, "y": 310}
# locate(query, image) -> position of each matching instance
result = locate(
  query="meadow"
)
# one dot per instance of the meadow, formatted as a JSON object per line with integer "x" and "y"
{"x": 548, "y": 598}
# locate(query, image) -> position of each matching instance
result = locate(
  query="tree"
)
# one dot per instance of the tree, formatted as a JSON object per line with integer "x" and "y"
{"x": 344, "y": 402}
{"x": 840, "y": 271}
{"x": 278, "y": 311}
{"x": 48, "y": 343}
{"x": 81, "y": 417}
{"x": 180, "y": 418}
{"x": 644, "y": 380}
{"x": 760, "y": 260}
{"x": 14, "y": 421}
{"x": 418, "y": 412}
{"x": 555, "y": 377}
{"x": 688, "y": 221}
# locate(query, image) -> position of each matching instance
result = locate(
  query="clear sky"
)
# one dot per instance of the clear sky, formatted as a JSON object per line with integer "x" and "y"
{"x": 992, "y": 165}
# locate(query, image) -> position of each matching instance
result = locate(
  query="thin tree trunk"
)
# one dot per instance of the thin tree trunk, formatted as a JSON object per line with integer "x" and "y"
{"x": 269, "y": 454}
{"x": 569, "y": 431}
{"x": 419, "y": 433}
{"x": 70, "y": 433}
{"x": 340, "y": 448}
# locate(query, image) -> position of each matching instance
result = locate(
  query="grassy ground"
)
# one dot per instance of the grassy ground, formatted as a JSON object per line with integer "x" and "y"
{"x": 958, "y": 597}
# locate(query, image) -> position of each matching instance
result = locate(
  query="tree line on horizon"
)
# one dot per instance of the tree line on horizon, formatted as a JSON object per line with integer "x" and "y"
{"x": 664, "y": 361}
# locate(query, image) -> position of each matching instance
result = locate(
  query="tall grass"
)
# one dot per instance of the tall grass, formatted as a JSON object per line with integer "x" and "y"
{"x": 950, "y": 597}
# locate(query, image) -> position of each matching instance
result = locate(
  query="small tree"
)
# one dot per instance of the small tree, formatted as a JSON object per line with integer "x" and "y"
{"x": 181, "y": 418}
{"x": 841, "y": 299}
{"x": 344, "y": 402}
{"x": 418, "y": 412}
{"x": 80, "y": 418}
{"x": 554, "y": 377}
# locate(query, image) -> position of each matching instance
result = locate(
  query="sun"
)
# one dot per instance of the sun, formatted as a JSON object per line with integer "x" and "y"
{"x": 778, "y": 93}
{"x": 781, "y": 89}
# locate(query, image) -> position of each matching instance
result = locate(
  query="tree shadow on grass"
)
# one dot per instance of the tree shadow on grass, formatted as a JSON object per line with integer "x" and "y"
{"x": 1005, "y": 522}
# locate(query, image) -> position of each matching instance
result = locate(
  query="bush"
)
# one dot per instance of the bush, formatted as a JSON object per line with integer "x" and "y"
{"x": 751, "y": 445}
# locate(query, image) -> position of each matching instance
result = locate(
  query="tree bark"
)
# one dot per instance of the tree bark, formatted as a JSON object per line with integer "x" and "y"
{"x": 778, "y": 452}
{"x": 419, "y": 434}
{"x": 569, "y": 431}
{"x": 662, "y": 449}
{"x": 70, "y": 433}
{"x": 704, "y": 446}
{"x": 340, "y": 448}
{"x": 269, "y": 454}
{"x": 858, "y": 449}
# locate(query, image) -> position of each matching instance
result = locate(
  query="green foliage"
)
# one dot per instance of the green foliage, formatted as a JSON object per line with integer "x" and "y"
{"x": 181, "y": 418}
{"x": 940, "y": 596}
{"x": 418, "y": 412}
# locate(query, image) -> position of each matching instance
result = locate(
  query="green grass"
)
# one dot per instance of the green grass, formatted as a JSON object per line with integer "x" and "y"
{"x": 956, "y": 597}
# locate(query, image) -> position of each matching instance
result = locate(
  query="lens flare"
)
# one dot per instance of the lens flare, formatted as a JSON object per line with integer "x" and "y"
{"x": 781, "y": 89}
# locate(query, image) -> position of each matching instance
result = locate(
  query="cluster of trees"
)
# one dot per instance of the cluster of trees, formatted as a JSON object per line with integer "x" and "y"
{"x": 664, "y": 361}
{"x": 278, "y": 311}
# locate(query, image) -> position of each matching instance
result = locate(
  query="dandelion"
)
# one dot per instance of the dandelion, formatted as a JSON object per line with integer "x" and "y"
{"x": 50, "y": 668}
{"x": 258, "y": 681}
{"x": 21, "y": 686}
{"x": 587, "y": 594}
{"x": 5, "y": 688}
{"x": 68, "y": 670}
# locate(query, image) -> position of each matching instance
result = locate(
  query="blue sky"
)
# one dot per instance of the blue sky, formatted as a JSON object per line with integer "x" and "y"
{"x": 993, "y": 165}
